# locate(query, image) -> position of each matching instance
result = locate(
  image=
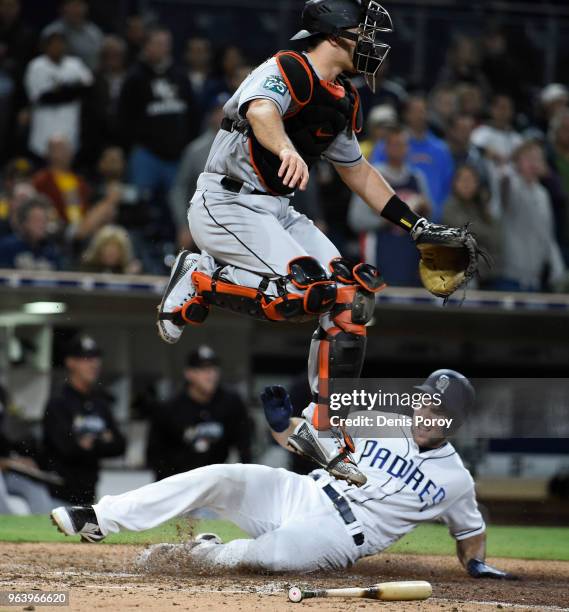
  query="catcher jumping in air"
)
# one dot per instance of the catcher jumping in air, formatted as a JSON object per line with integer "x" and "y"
{"x": 259, "y": 256}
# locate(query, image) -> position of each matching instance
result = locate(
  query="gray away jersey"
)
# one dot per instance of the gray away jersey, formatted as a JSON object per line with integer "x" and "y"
{"x": 229, "y": 153}
{"x": 407, "y": 487}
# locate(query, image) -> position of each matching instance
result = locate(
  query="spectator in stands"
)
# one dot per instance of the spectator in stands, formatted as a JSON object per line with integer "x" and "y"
{"x": 17, "y": 40}
{"x": 155, "y": 112}
{"x": 198, "y": 59}
{"x": 458, "y": 139}
{"x": 17, "y": 47}
{"x": 78, "y": 425}
{"x": 103, "y": 104}
{"x": 387, "y": 91}
{"x": 471, "y": 101}
{"x": 13, "y": 468}
{"x": 70, "y": 194}
{"x": 383, "y": 245}
{"x": 227, "y": 74}
{"x": 559, "y": 150}
{"x": 498, "y": 139}
{"x": 501, "y": 68}
{"x": 135, "y": 34}
{"x": 469, "y": 203}
{"x": 110, "y": 251}
{"x": 201, "y": 424}
{"x": 463, "y": 63}
{"x": 442, "y": 108}
{"x": 191, "y": 166}
{"x": 554, "y": 99}
{"x": 132, "y": 211}
{"x": 532, "y": 260}
{"x": 426, "y": 153}
{"x": 17, "y": 173}
{"x": 32, "y": 247}
{"x": 56, "y": 85}
{"x": 84, "y": 38}
{"x": 379, "y": 120}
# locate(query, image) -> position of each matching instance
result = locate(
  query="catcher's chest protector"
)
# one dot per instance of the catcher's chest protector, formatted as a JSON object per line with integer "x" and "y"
{"x": 324, "y": 109}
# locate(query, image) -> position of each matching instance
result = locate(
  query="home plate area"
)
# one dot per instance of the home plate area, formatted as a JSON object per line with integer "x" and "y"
{"x": 106, "y": 577}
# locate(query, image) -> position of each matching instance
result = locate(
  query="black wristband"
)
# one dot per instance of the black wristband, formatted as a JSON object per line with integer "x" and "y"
{"x": 399, "y": 213}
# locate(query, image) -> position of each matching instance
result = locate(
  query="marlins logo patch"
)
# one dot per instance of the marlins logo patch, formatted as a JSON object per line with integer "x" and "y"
{"x": 275, "y": 83}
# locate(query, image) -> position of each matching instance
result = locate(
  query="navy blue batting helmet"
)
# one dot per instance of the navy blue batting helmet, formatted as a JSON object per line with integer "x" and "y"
{"x": 455, "y": 390}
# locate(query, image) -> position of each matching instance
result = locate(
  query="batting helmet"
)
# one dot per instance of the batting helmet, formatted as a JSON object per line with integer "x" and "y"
{"x": 456, "y": 392}
{"x": 336, "y": 17}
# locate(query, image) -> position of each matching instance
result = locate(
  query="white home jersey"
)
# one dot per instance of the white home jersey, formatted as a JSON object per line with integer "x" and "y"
{"x": 407, "y": 486}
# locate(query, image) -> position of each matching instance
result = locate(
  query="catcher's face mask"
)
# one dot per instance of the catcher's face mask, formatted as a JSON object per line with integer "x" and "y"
{"x": 369, "y": 53}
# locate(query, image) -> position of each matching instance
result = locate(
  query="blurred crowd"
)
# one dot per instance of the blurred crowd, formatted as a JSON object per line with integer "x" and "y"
{"x": 103, "y": 135}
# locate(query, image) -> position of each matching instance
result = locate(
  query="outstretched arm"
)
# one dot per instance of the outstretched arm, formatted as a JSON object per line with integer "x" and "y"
{"x": 471, "y": 553}
{"x": 471, "y": 548}
{"x": 278, "y": 412}
{"x": 281, "y": 437}
{"x": 367, "y": 182}
{"x": 267, "y": 125}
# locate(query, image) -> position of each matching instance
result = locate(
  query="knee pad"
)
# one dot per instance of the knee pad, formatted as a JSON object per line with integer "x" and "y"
{"x": 365, "y": 275}
{"x": 305, "y": 273}
{"x": 309, "y": 275}
{"x": 353, "y": 309}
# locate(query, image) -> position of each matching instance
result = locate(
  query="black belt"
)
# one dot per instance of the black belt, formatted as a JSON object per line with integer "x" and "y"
{"x": 343, "y": 507}
{"x": 235, "y": 186}
{"x": 227, "y": 124}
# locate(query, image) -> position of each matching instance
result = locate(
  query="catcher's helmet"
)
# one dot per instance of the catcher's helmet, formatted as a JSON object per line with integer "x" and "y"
{"x": 456, "y": 392}
{"x": 336, "y": 17}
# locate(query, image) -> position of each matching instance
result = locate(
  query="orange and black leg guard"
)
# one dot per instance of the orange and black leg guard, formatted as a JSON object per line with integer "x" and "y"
{"x": 339, "y": 344}
{"x": 316, "y": 293}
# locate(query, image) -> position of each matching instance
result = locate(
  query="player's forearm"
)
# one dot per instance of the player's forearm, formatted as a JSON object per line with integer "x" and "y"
{"x": 368, "y": 183}
{"x": 281, "y": 437}
{"x": 471, "y": 548}
{"x": 268, "y": 127}
{"x": 375, "y": 191}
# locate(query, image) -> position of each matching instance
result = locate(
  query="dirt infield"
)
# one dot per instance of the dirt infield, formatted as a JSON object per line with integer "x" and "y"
{"x": 105, "y": 577}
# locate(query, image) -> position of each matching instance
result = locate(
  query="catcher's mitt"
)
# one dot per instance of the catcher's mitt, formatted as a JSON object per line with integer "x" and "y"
{"x": 449, "y": 257}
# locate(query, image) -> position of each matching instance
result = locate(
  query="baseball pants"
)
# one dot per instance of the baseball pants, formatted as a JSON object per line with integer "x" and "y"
{"x": 255, "y": 237}
{"x": 294, "y": 524}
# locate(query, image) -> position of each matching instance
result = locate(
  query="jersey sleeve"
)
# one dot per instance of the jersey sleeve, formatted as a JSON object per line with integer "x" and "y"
{"x": 345, "y": 150}
{"x": 463, "y": 517}
{"x": 265, "y": 82}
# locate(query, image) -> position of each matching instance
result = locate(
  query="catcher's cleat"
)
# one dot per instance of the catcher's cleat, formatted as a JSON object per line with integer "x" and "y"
{"x": 342, "y": 465}
{"x": 77, "y": 520}
{"x": 180, "y": 305}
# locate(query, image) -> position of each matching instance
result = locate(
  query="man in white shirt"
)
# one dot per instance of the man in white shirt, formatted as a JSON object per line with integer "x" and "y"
{"x": 55, "y": 84}
{"x": 498, "y": 140}
{"x": 83, "y": 37}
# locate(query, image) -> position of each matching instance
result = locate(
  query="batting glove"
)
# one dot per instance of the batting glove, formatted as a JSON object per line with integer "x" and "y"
{"x": 277, "y": 406}
{"x": 479, "y": 569}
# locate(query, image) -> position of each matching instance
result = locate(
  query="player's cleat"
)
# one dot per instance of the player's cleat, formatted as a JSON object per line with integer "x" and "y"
{"x": 77, "y": 520}
{"x": 211, "y": 538}
{"x": 341, "y": 465}
{"x": 179, "y": 304}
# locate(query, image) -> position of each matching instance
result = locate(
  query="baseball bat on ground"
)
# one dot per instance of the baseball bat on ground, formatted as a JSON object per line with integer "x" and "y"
{"x": 385, "y": 591}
